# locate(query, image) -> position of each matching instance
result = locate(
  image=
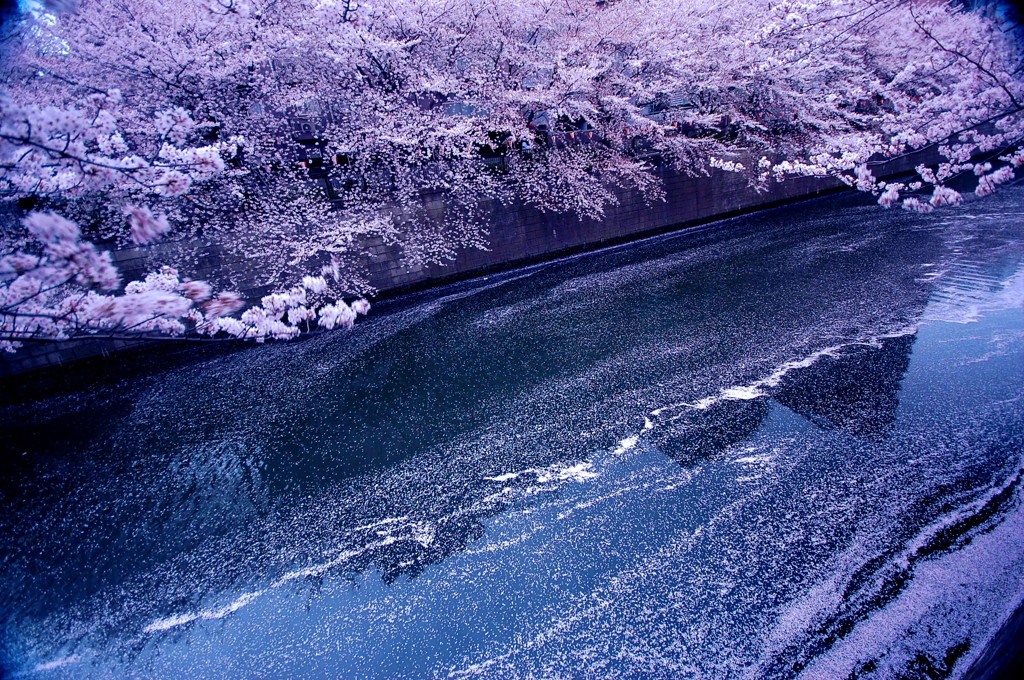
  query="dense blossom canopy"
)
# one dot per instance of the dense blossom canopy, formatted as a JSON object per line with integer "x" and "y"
{"x": 291, "y": 131}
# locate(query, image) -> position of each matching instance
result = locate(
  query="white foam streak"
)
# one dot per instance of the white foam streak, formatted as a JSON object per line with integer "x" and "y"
{"x": 374, "y": 525}
{"x": 57, "y": 663}
{"x": 742, "y": 393}
{"x": 757, "y": 388}
{"x": 422, "y": 534}
{"x": 170, "y": 622}
{"x": 627, "y": 444}
{"x": 507, "y": 477}
{"x": 205, "y": 615}
{"x": 578, "y": 473}
{"x": 560, "y": 472}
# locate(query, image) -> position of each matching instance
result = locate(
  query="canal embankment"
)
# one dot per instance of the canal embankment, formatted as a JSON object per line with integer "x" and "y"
{"x": 518, "y": 235}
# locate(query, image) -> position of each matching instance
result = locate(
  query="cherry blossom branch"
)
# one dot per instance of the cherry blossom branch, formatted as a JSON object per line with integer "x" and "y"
{"x": 978, "y": 65}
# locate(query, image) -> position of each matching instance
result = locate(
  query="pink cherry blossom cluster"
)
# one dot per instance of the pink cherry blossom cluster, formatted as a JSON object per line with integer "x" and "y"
{"x": 285, "y": 315}
{"x": 915, "y": 204}
{"x": 56, "y": 290}
{"x": 133, "y": 117}
{"x": 945, "y": 196}
{"x": 890, "y": 196}
{"x": 57, "y": 294}
{"x": 144, "y": 226}
{"x": 988, "y": 182}
{"x": 73, "y": 150}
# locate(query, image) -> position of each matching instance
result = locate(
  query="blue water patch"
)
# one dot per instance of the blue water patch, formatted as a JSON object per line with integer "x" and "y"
{"x": 788, "y": 446}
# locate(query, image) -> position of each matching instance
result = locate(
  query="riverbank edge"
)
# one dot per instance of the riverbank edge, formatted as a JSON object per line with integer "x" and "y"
{"x": 38, "y": 381}
{"x": 519, "y": 236}
{"x": 1003, "y": 657}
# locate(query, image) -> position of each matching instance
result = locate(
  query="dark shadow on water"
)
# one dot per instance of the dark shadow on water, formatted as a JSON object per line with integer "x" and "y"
{"x": 857, "y": 393}
{"x": 698, "y": 435}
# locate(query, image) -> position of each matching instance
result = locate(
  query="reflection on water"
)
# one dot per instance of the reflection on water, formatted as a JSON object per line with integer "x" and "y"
{"x": 697, "y": 435}
{"x": 857, "y": 393}
{"x": 767, "y": 449}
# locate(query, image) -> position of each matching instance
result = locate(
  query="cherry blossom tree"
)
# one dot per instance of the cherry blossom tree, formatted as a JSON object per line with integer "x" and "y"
{"x": 292, "y": 131}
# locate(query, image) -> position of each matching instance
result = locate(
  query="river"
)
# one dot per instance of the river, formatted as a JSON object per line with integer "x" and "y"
{"x": 784, "y": 445}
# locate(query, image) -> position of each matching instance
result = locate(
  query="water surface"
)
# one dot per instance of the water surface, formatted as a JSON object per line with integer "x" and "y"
{"x": 788, "y": 445}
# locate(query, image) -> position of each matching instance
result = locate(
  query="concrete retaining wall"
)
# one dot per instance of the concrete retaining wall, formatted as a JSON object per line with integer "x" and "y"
{"x": 518, "y": 234}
